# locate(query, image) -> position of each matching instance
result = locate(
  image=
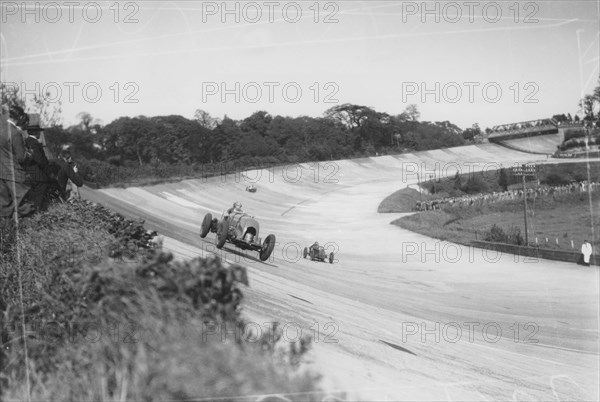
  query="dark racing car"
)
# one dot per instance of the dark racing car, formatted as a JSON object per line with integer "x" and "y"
{"x": 317, "y": 252}
{"x": 239, "y": 229}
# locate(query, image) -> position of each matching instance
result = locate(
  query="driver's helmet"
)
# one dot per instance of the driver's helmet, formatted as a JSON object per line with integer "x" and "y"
{"x": 237, "y": 205}
{"x": 316, "y": 244}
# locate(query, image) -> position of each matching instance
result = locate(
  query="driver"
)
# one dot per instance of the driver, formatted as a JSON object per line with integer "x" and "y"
{"x": 315, "y": 246}
{"x": 235, "y": 209}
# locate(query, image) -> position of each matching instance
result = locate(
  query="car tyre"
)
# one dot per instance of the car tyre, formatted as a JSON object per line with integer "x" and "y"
{"x": 305, "y": 253}
{"x": 267, "y": 247}
{"x": 331, "y": 258}
{"x": 206, "y": 223}
{"x": 222, "y": 233}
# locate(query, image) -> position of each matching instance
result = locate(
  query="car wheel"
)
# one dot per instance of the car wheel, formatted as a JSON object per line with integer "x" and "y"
{"x": 331, "y": 258}
{"x": 311, "y": 254}
{"x": 267, "y": 247}
{"x": 305, "y": 253}
{"x": 222, "y": 233}
{"x": 206, "y": 223}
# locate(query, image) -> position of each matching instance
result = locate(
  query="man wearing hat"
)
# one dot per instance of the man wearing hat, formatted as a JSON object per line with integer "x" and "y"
{"x": 37, "y": 166}
{"x": 63, "y": 170}
{"x": 13, "y": 187}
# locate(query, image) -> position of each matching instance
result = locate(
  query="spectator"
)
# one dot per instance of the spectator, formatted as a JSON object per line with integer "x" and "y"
{"x": 71, "y": 188}
{"x": 586, "y": 251}
{"x": 37, "y": 166}
{"x": 62, "y": 170}
{"x": 13, "y": 187}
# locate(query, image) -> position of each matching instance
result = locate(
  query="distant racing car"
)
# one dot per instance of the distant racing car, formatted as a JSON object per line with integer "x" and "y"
{"x": 239, "y": 229}
{"x": 317, "y": 252}
{"x": 251, "y": 189}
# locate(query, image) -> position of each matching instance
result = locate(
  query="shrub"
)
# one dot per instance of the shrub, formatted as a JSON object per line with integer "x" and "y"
{"x": 475, "y": 184}
{"x": 514, "y": 236}
{"x": 574, "y": 133}
{"x": 498, "y": 235}
{"x": 150, "y": 310}
{"x": 495, "y": 234}
{"x": 503, "y": 179}
{"x": 555, "y": 179}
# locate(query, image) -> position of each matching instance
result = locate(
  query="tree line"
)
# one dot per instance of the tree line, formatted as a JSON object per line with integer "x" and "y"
{"x": 343, "y": 131}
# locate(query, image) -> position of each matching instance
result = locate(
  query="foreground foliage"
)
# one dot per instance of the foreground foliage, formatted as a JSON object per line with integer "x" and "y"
{"x": 108, "y": 316}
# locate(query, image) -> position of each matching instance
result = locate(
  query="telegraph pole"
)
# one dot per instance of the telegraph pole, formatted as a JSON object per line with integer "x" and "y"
{"x": 523, "y": 171}
{"x": 525, "y": 211}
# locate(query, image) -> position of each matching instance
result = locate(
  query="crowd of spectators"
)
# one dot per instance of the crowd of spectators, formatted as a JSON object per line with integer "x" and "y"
{"x": 500, "y": 196}
{"x": 29, "y": 179}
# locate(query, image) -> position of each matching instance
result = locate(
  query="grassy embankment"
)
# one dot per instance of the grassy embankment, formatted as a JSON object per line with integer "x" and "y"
{"x": 108, "y": 317}
{"x": 567, "y": 217}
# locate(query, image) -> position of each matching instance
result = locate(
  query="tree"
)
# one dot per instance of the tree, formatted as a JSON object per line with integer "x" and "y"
{"x": 9, "y": 96}
{"x": 87, "y": 124}
{"x": 457, "y": 181}
{"x": 365, "y": 127}
{"x": 475, "y": 184}
{"x": 560, "y": 118}
{"x": 411, "y": 113}
{"x": 257, "y": 122}
{"x": 223, "y": 140}
{"x": 589, "y": 106}
{"x": 471, "y": 133}
{"x": 503, "y": 179}
{"x": 50, "y": 112}
{"x": 348, "y": 114}
{"x": 206, "y": 120}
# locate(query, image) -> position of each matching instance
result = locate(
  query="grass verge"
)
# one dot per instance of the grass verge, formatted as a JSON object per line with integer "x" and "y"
{"x": 564, "y": 219}
{"x": 107, "y": 317}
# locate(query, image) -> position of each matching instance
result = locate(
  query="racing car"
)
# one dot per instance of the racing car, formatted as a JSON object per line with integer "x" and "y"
{"x": 239, "y": 229}
{"x": 317, "y": 252}
{"x": 251, "y": 188}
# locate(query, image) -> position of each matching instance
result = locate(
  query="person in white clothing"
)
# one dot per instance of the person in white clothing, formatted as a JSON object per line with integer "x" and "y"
{"x": 586, "y": 250}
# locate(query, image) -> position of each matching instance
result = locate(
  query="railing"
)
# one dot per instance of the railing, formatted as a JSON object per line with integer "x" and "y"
{"x": 524, "y": 129}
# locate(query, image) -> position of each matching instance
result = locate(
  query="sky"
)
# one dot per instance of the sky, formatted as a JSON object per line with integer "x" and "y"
{"x": 467, "y": 62}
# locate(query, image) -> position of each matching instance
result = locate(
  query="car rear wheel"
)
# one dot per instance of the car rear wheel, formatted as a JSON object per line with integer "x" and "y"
{"x": 222, "y": 233}
{"x": 305, "y": 253}
{"x": 267, "y": 247}
{"x": 205, "y": 228}
{"x": 331, "y": 258}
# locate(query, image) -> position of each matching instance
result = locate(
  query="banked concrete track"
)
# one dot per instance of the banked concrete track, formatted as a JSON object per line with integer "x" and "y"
{"x": 546, "y": 144}
{"x": 400, "y": 316}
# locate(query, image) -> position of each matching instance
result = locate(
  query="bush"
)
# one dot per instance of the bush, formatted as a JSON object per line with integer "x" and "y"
{"x": 514, "y": 236}
{"x": 497, "y": 235}
{"x": 555, "y": 179}
{"x": 150, "y": 310}
{"x": 574, "y": 133}
{"x": 475, "y": 185}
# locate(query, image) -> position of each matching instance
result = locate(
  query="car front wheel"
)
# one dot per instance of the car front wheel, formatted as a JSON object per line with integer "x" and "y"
{"x": 267, "y": 247}
{"x": 222, "y": 233}
{"x": 205, "y": 228}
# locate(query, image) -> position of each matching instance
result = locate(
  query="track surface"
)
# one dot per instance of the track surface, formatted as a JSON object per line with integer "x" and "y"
{"x": 412, "y": 318}
{"x": 543, "y": 143}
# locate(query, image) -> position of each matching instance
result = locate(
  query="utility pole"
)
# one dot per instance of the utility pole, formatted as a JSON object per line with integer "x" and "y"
{"x": 525, "y": 210}
{"x": 525, "y": 170}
